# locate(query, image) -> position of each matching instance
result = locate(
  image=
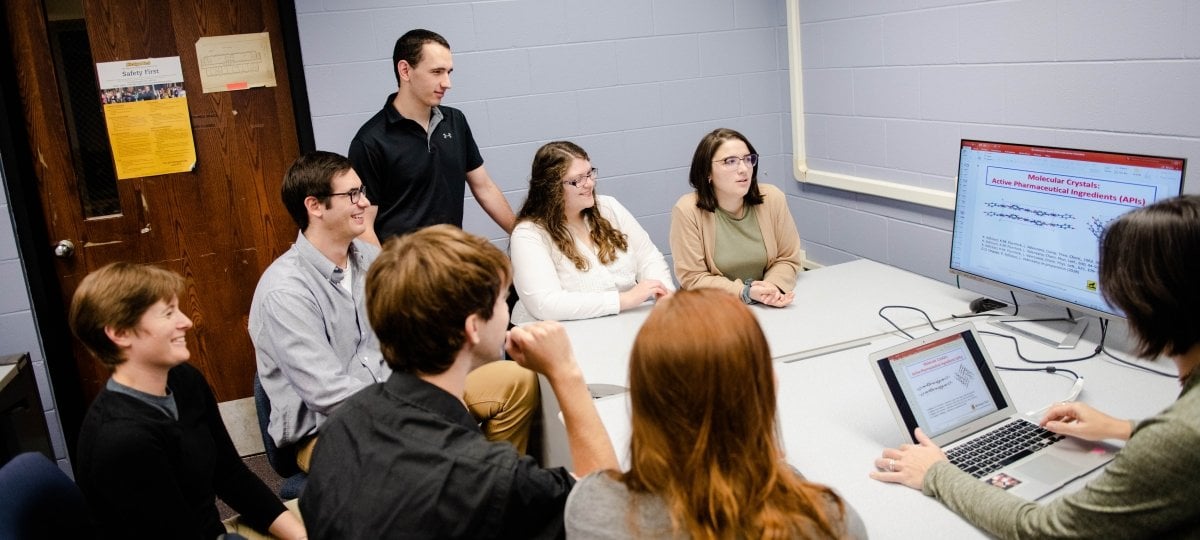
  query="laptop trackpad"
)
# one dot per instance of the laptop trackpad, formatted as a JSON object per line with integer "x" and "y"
{"x": 1046, "y": 468}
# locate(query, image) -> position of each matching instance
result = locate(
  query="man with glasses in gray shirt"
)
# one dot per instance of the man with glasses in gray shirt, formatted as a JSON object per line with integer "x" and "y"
{"x": 308, "y": 321}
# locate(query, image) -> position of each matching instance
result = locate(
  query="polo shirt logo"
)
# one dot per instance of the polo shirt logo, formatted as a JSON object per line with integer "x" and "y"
{"x": 447, "y": 136}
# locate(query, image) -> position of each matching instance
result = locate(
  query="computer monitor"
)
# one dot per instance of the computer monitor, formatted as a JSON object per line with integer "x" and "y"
{"x": 1029, "y": 218}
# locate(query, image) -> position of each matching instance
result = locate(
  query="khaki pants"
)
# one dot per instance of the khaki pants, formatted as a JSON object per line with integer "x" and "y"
{"x": 304, "y": 453}
{"x": 503, "y": 397}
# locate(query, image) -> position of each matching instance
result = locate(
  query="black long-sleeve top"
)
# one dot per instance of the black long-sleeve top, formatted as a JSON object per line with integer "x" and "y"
{"x": 146, "y": 475}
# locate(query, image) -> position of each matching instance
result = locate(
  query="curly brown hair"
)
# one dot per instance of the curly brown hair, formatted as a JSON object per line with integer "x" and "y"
{"x": 544, "y": 205}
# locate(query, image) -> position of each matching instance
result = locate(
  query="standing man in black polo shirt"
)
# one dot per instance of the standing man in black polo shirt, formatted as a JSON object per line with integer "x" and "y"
{"x": 415, "y": 155}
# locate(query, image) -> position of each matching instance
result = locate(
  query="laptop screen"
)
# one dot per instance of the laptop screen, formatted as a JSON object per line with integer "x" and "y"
{"x": 942, "y": 384}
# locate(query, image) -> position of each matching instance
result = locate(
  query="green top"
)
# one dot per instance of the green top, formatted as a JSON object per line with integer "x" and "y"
{"x": 739, "y": 252}
{"x": 1150, "y": 489}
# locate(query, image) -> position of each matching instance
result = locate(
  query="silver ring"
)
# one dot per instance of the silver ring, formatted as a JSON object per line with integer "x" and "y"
{"x": 891, "y": 465}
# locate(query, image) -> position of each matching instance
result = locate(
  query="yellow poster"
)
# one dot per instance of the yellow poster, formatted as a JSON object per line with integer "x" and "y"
{"x": 145, "y": 109}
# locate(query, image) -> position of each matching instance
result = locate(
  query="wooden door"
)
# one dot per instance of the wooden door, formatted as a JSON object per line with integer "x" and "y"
{"x": 219, "y": 225}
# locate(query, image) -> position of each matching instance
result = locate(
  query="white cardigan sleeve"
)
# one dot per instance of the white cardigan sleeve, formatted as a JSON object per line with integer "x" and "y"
{"x": 650, "y": 261}
{"x": 535, "y": 276}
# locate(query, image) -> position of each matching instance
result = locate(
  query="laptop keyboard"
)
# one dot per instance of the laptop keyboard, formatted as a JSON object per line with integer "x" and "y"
{"x": 990, "y": 452}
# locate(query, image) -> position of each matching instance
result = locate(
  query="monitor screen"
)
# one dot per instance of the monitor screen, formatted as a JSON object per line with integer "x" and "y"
{"x": 1030, "y": 217}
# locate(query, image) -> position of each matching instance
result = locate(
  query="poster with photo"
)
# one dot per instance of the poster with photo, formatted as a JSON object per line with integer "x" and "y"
{"x": 146, "y": 112}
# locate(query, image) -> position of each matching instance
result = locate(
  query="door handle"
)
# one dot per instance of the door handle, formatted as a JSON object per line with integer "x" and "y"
{"x": 64, "y": 249}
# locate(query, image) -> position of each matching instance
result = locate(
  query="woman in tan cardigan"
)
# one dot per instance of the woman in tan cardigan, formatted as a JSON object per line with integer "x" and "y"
{"x": 732, "y": 233}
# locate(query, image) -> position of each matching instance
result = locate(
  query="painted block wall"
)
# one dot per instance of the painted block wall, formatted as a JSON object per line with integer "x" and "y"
{"x": 636, "y": 83}
{"x": 891, "y": 87}
{"x": 18, "y": 328}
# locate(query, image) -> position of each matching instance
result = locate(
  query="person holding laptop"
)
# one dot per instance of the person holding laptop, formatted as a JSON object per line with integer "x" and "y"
{"x": 733, "y": 233}
{"x": 706, "y": 460}
{"x": 576, "y": 254}
{"x": 1149, "y": 260}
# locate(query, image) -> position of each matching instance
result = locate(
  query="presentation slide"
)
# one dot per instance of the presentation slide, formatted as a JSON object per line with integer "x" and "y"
{"x": 944, "y": 387}
{"x": 1033, "y": 218}
{"x": 1048, "y": 225}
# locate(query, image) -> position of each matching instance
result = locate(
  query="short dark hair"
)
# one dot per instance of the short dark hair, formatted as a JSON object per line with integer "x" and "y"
{"x": 311, "y": 175}
{"x": 700, "y": 177}
{"x": 116, "y": 296}
{"x": 408, "y": 48}
{"x": 1149, "y": 260}
{"x": 422, "y": 288}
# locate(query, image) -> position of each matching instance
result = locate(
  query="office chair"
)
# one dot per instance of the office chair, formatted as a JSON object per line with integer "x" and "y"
{"x": 41, "y": 501}
{"x": 282, "y": 460}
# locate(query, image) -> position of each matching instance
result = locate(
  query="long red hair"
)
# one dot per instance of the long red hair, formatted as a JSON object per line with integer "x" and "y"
{"x": 702, "y": 388}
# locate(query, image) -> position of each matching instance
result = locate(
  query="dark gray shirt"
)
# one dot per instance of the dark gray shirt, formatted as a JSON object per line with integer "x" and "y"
{"x": 166, "y": 403}
{"x": 405, "y": 459}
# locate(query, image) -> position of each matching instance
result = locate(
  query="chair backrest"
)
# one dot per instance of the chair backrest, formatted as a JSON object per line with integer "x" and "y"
{"x": 41, "y": 501}
{"x": 283, "y": 460}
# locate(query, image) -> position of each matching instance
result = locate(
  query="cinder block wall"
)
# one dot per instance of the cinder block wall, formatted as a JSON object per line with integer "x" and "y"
{"x": 891, "y": 87}
{"x": 18, "y": 327}
{"x": 635, "y": 82}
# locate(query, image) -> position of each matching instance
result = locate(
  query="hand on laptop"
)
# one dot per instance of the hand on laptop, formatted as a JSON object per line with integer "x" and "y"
{"x": 908, "y": 464}
{"x": 1078, "y": 420}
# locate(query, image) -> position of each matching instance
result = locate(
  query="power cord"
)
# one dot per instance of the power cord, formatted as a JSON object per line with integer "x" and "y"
{"x": 1048, "y": 369}
{"x": 1016, "y": 345}
{"x": 1103, "y": 328}
{"x": 1100, "y": 349}
{"x": 1017, "y": 348}
{"x": 897, "y": 327}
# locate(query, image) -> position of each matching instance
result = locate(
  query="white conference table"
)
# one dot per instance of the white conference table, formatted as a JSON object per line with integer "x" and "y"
{"x": 835, "y": 422}
{"x": 833, "y": 417}
{"x": 835, "y": 308}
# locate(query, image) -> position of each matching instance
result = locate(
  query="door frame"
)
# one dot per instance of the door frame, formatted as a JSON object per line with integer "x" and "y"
{"x": 34, "y": 244}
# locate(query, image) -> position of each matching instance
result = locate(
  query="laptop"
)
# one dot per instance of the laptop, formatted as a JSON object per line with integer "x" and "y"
{"x": 946, "y": 384}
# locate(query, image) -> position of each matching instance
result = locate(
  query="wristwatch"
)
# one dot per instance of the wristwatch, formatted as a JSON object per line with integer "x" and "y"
{"x": 746, "y": 292}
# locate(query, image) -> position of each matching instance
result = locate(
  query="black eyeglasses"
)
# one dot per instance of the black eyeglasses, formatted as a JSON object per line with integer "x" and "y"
{"x": 732, "y": 161}
{"x": 590, "y": 175}
{"x": 354, "y": 194}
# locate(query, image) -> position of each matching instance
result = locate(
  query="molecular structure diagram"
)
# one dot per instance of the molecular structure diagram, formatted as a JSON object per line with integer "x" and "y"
{"x": 1029, "y": 215}
{"x": 1097, "y": 225}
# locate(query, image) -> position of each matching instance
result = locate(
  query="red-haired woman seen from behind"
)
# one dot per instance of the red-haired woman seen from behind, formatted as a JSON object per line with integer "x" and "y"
{"x": 706, "y": 460}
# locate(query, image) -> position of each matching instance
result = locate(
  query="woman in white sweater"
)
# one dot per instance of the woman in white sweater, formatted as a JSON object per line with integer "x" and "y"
{"x": 577, "y": 255}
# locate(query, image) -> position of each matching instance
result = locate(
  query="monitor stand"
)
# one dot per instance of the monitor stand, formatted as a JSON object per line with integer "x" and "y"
{"x": 1060, "y": 332}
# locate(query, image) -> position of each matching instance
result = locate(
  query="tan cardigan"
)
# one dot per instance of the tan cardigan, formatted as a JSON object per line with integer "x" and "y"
{"x": 693, "y": 233}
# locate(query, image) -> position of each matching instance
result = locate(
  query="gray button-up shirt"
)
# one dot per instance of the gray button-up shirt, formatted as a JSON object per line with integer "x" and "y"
{"x": 313, "y": 344}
